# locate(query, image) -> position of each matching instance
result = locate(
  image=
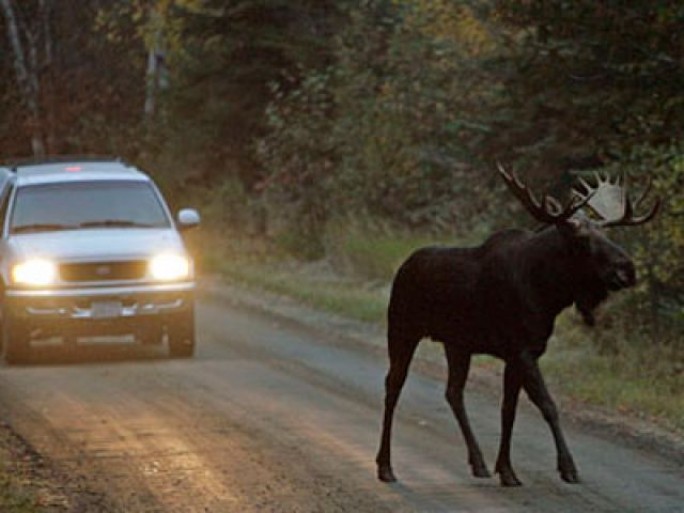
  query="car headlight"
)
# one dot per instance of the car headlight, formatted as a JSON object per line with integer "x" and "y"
{"x": 36, "y": 272}
{"x": 169, "y": 267}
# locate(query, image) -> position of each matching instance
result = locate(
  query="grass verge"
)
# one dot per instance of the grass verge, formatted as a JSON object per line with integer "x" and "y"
{"x": 23, "y": 488}
{"x": 635, "y": 378}
{"x": 355, "y": 299}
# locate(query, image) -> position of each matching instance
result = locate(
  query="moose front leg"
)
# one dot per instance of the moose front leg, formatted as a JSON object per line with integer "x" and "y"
{"x": 533, "y": 383}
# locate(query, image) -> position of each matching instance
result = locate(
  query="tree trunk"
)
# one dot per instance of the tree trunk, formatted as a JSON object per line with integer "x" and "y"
{"x": 156, "y": 75}
{"x": 48, "y": 92}
{"x": 27, "y": 72}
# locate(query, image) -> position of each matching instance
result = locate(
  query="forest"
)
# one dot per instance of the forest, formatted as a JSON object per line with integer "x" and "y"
{"x": 288, "y": 119}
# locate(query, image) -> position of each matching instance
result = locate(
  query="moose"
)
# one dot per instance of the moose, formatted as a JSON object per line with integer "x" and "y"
{"x": 502, "y": 298}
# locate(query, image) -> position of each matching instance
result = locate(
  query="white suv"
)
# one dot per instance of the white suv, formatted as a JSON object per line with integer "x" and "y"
{"x": 88, "y": 248}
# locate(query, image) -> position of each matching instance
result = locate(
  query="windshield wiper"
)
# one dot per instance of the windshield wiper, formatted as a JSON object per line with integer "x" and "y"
{"x": 41, "y": 227}
{"x": 113, "y": 223}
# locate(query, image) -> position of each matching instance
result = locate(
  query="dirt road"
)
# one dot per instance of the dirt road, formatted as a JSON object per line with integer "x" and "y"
{"x": 274, "y": 417}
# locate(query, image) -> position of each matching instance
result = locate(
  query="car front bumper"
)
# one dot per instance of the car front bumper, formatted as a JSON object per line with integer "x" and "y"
{"x": 99, "y": 303}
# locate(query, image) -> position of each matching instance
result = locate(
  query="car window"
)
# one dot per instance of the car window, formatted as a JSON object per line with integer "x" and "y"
{"x": 83, "y": 205}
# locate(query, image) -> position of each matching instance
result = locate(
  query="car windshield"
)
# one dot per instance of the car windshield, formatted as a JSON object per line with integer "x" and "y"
{"x": 83, "y": 205}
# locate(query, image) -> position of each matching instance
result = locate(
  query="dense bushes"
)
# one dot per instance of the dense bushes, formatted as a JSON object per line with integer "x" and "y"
{"x": 390, "y": 128}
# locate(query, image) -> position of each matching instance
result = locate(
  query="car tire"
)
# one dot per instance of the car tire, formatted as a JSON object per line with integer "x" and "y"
{"x": 15, "y": 339}
{"x": 181, "y": 333}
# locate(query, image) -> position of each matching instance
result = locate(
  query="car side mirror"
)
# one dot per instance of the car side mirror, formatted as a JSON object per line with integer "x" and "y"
{"x": 187, "y": 218}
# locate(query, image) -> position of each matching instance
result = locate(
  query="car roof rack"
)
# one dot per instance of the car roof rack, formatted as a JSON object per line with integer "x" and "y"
{"x": 16, "y": 163}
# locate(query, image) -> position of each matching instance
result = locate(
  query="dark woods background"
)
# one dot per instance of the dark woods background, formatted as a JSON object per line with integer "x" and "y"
{"x": 282, "y": 118}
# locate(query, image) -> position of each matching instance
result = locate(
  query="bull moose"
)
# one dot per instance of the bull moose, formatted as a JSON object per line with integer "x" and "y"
{"x": 502, "y": 298}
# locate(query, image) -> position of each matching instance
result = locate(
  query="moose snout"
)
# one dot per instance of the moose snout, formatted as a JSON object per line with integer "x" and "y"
{"x": 622, "y": 276}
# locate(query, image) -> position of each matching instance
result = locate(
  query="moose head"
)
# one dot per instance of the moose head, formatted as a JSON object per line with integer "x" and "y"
{"x": 599, "y": 264}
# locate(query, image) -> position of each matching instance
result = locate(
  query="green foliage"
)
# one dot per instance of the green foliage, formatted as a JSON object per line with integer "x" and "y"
{"x": 225, "y": 56}
{"x": 658, "y": 246}
{"x": 297, "y": 157}
{"x": 388, "y": 128}
{"x": 587, "y": 79}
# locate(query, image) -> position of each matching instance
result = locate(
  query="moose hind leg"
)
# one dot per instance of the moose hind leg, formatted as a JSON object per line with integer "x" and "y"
{"x": 459, "y": 365}
{"x": 512, "y": 385}
{"x": 401, "y": 351}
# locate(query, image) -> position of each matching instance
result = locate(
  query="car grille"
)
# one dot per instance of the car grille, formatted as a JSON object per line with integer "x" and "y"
{"x": 103, "y": 271}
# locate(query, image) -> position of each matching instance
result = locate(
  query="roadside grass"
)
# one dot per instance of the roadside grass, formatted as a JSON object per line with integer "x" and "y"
{"x": 355, "y": 299}
{"x": 17, "y": 495}
{"x": 371, "y": 250}
{"x": 633, "y": 377}
{"x": 12, "y": 498}
{"x": 257, "y": 264}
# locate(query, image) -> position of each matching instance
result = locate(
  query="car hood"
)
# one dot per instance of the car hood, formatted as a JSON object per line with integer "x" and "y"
{"x": 95, "y": 244}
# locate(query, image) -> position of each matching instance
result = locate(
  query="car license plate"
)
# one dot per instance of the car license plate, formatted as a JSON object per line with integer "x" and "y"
{"x": 106, "y": 309}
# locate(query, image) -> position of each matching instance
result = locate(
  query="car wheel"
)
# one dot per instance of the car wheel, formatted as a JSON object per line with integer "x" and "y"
{"x": 15, "y": 339}
{"x": 182, "y": 334}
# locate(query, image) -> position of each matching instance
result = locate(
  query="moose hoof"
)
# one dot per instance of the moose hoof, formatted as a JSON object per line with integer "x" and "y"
{"x": 570, "y": 476}
{"x": 385, "y": 474}
{"x": 568, "y": 471}
{"x": 480, "y": 470}
{"x": 508, "y": 478}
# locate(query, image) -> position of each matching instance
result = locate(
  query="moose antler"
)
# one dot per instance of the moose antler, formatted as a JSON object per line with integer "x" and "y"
{"x": 609, "y": 199}
{"x": 549, "y": 210}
